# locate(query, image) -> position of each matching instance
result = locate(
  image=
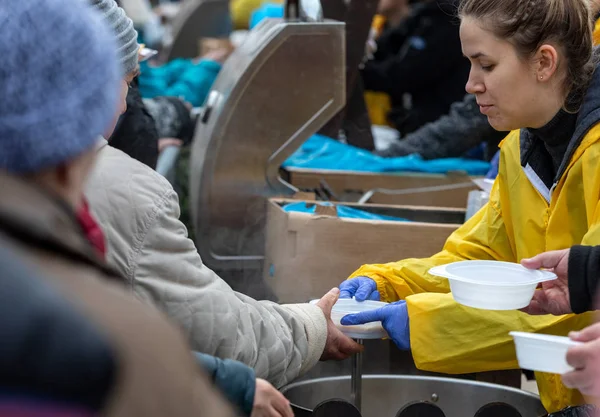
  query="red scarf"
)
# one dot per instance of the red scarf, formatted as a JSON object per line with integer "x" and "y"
{"x": 92, "y": 229}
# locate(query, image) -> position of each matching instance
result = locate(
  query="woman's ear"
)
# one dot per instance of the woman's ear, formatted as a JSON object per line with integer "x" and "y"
{"x": 546, "y": 62}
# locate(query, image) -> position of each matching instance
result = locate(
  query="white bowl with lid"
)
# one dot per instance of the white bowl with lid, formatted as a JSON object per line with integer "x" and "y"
{"x": 492, "y": 285}
{"x": 543, "y": 352}
{"x": 345, "y": 306}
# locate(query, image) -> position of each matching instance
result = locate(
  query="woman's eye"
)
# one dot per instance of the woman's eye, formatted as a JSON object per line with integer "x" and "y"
{"x": 487, "y": 67}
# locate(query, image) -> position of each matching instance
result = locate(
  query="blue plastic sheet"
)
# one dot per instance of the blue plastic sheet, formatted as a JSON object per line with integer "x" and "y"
{"x": 343, "y": 211}
{"x": 267, "y": 10}
{"x": 320, "y": 152}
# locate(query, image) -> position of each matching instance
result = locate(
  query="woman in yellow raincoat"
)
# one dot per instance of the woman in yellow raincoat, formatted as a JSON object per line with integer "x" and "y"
{"x": 532, "y": 71}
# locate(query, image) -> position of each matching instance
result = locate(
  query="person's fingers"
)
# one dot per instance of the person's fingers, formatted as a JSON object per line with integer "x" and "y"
{"x": 270, "y": 411}
{"x": 577, "y": 356}
{"x": 348, "y": 288}
{"x": 282, "y": 405}
{"x": 582, "y": 380}
{"x": 366, "y": 288}
{"x": 165, "y": 142}
{"x": 534, "y": 309}
{"x": 586, "y": 335}
{"x": 362, "y": 317}
{"x": 326, "y": 303}
{"x": 570, "y": 379}
{"x": 543, "y": 260}
{"x": 347, "y": 346}
{"x": 375, "y": 296}
{"x": 345, "y": 294}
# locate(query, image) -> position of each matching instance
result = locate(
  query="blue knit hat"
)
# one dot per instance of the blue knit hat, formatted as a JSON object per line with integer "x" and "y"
{"x": 59, "y": 82}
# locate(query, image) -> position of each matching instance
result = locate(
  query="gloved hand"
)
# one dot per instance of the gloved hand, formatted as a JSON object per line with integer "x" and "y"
{"x": 393, "y": 317}
{"x": 362, "y": 288}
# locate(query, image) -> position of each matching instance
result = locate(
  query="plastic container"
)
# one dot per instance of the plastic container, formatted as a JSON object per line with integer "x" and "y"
{"x": 542, "y": 352}
{"x": 492, "y": 285}
{"x": 345, "y": 306}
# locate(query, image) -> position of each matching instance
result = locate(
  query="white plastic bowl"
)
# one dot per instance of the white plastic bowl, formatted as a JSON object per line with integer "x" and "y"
{"x": 492, "y": 285}
{"x": 542, "y": 352}
{"x": 345, "y": 306}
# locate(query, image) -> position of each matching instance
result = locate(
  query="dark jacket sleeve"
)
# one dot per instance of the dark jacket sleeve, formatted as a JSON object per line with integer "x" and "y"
{"x": 584, "y": 273}
{"x": 416, "y": 64}
{"x": 234, "y": 379}
{"x": 450, "y": 136}
{"x": 136, "y": 133}
{"x": 49, "y": 349}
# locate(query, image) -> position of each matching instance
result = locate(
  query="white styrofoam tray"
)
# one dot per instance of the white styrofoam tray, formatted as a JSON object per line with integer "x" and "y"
{"x": 543, "y": 352}
{"x": 492, "y": 285}
{"x": 345, "y": 306}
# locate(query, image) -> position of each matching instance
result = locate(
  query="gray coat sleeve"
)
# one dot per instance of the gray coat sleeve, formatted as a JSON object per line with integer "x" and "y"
{"x": 462, "y": 129}
{"x": 139, "y": 213}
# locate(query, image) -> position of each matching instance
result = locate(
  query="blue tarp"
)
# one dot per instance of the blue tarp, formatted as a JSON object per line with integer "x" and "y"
{"x": 320, "y": 152}
{"x": 267, "y": 10}
{"x": 343, "y": 211}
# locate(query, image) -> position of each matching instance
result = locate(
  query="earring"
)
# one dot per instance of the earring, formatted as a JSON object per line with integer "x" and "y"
{"x": 541, "y": 77}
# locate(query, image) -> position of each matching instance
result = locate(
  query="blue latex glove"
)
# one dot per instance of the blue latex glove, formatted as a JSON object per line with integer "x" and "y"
{"x": 362, "y": 288}
{"x": 393, "y": 317}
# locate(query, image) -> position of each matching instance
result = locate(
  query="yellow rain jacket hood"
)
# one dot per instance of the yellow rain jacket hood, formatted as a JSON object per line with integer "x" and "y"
{"x": 522, "y": 219}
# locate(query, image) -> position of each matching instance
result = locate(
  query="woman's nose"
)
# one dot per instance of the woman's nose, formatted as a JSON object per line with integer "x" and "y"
{"x": 474, "y": 85}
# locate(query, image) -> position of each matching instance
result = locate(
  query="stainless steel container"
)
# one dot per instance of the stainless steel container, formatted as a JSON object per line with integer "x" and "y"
{"x": 389, "y": 396}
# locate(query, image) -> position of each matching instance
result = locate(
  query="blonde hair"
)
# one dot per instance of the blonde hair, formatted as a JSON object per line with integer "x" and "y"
{"x": 528, "y": 24}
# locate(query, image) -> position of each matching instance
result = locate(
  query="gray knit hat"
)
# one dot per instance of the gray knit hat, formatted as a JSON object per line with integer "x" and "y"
{"x": 59, "y": 82}
{"x": 123, "y": 27}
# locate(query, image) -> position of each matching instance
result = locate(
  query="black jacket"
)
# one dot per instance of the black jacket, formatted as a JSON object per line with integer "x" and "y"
{"x": 452, "y": 135}
{"x": 48, "y": 347}
{"x": 420, "y": 65}
{"x": 584, "y": 274}
{"x": 136, "y": 133}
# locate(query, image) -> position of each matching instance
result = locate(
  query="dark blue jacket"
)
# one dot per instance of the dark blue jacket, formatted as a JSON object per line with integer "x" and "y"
{"x": 235, "y": 380}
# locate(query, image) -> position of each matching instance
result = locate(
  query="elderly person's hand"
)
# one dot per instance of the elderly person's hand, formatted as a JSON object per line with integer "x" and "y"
{"x": 586, "y": 361}
{"x": 268, "y": 402}
{"x": 338, "y": 346}
{"x": 553, "y": 296}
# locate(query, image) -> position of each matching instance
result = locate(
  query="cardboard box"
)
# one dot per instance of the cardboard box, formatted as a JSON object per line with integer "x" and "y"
{"x": 307, "y": 255}
{"x": 436, "y": 190}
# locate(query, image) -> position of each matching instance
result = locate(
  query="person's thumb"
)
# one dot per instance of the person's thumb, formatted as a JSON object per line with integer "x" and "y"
{"x": 328, "y": 300}
{"x": 586, "y": 335}
{"x": 543, "y": 260}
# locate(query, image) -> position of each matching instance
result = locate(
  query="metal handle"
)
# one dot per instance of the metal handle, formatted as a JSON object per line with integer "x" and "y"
{"x": 356, "y": 378}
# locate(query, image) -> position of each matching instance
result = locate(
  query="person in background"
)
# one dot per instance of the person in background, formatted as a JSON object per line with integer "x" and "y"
{"x": 241, "y": 11}
{"x": 462, "y": 129}
{"x": 237, "y": 381}
{"x": 53, "y": 107}
{"x": 533, "y": 73}
{"x": 452, "y": 135}
{"x": 136, "y": 133}
{"x": 420, "y": 65}
{"x": 390, "y": 13}
{"x": 138, "y": 211}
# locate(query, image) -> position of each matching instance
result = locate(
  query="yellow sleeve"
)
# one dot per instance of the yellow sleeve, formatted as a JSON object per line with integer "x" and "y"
{"x": 483, "y": 237}
{"x": 450, "y": 338}
{"x": 447, "y": 337}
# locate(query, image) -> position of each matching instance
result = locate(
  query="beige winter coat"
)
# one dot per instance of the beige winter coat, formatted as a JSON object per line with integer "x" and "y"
{"x": 139, "y": 213}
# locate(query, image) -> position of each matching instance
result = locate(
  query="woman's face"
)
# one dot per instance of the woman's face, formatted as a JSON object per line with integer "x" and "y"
{"x": 507, "y": 87}
{"x": 122, "y": 105}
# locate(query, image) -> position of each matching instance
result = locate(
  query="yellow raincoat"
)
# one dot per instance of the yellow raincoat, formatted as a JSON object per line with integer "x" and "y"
{"x": 241, "y": 10}
{"x": 517, "y": 223}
